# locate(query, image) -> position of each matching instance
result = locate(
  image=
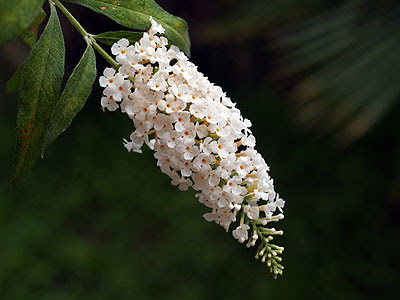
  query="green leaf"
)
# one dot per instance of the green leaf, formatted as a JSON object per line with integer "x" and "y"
{"x": 39, "y": 91}
{"x": 109, "y": 38}
{"x": 15, "y": 80}
{"x": 29, "y": 36}
{"x": 74, "y": 96}
{"x": 16, "y": 16}
{"x": 135, "y": 14}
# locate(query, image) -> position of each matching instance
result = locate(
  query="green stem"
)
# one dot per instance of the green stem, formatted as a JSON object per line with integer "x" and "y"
{"x": 103, "y": 53}
{"x": 71, "y": 18}
{"x": 87, "y": 36}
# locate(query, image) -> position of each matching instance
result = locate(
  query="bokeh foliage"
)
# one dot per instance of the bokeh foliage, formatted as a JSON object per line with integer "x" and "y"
{"x": 107, "y": 224}
{"x": 338, "y": 60}
{"x": 17, "y": 16}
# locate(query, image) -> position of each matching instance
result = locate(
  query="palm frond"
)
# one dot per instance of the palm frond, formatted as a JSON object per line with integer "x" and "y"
{"x": 351, "y": 66}
{"x": 341, "y": 58}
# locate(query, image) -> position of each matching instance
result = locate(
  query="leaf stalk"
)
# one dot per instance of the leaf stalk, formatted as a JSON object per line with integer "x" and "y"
{"x": 87, "y": 36}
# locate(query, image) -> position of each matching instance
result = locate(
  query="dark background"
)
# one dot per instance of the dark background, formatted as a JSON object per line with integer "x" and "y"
{"x": 92, "y": 221}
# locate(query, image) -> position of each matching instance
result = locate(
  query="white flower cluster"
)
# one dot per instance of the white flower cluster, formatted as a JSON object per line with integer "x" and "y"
{"x": 200, "y": 139}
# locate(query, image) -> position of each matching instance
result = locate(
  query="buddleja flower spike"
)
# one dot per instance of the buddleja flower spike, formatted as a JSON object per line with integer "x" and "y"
{"x": 199, "y": 138}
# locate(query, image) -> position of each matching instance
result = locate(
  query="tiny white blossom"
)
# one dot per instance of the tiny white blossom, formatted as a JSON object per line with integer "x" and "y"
{"x": 240, "y": 233}
{"x": 252, "y": 212}
{"x": 120, "y": 50}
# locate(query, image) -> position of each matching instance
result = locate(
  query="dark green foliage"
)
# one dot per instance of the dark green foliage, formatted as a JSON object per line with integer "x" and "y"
{"x": 39, "y": 78}
{"x": 38, "y": 94}
{"x": 135, "y": 15}
{"x": 74, "y": 96}
{"x": 15, "y": 80}
{"x": 109, "y": 38}
{"x": 29, "y": 36}
{"x": 107, "y": 224}
{"x": 16, "y": 16}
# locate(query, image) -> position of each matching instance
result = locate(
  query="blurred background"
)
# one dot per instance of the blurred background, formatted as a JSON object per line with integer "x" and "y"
{"x": 320, "y": 81}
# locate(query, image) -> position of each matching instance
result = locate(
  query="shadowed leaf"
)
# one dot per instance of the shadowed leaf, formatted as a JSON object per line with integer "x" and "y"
{"x": 135, "y": 15}
{"x": 15, "y": 80}
{"x": 16, "y": 16}
{"x": 29, "y": 36}
{"x": 74, "y": 96}
{"x": 109, "y": 38}
{"x": 39, "y": 91}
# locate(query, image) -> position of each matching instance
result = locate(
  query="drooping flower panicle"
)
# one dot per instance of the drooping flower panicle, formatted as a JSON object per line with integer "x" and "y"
{"x": 199, "y": 137}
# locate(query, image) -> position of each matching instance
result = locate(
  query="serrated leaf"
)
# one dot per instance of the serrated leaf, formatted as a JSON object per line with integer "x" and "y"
{"x": 16, "y": 16}
{"x": 74, "y": 96}
{"x": 135, "y": 14}
{"x": 39, "y": 91}
{"x": 15, "y": 80}
{"x": 29, "y": 36}
{"x": 109, "y": 38}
